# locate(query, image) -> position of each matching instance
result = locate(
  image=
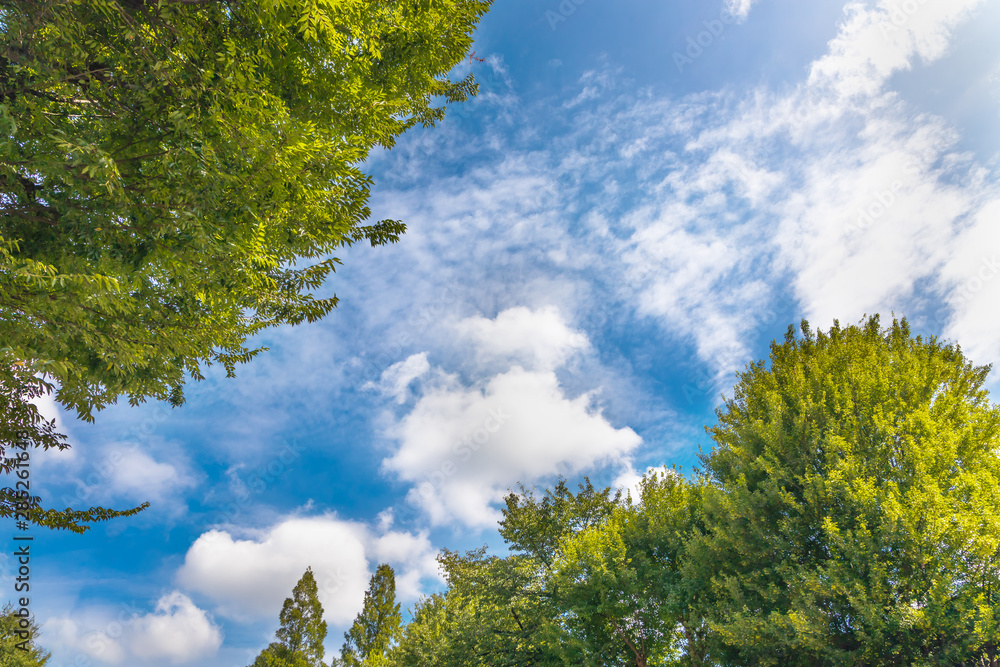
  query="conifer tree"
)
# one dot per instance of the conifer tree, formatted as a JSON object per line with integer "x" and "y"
{"x": 302, "y": 631}
{"x": 377, "y": 626}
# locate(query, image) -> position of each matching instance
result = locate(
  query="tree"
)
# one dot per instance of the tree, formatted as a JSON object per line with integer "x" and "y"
{"x": 302, "y": 631}
{"x": 441, "y": 634}
{"x": 507, "y": 610}
{"x": 17, "y": 643}
{"x": 622, "y": 584}
{"x": 175, "y": 175}
{"x": 855, "y": 516}
{"x": 377, "y": 627}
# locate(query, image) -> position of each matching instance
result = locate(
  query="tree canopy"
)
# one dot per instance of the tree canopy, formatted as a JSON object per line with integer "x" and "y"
{"x": 854, "y": 518}
{"x": 176, "y": 176}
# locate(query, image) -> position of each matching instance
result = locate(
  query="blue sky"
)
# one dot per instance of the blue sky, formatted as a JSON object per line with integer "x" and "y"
{"x": 641, "y": 198}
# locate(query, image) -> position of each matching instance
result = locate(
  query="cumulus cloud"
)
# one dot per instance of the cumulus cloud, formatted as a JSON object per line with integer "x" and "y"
{"x": 462, "y": 445}
{"x": 115, "y": 472}
{"x": 176, "y": 632}
{"x": 537, "y": 338}
{"x": 248, "y": 577}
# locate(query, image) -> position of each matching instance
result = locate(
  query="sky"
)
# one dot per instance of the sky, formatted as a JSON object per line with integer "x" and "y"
{"x": 641, "y": 198}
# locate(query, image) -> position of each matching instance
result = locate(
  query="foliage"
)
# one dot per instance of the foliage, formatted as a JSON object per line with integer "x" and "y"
{"x": 276, "y": 655}
{"x": 23, "y": 428}
{"x": 855, "y": 515}
{"x": 175, "y": 175}
{"x": 15, "y": 650}
{"x": 302, "y": 631}
{"x": 440, "y": 634}
{"x": 505, "y": 611}
{"x": 846, "y": 516}
{"x": 622, "y": 585}
{"x": 375, "y": 630}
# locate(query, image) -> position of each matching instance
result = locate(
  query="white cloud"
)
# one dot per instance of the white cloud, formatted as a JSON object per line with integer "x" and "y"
{"x": 973, "y": 273}
{"x": 837, "y": 189}
{"x": 534, "y": 338}
{"x": 65, "y": 634}
{"x": 249, "y": 578}
{"x": 695, "y": 279}
{"x": 176, "y": 632}
{"x": 875, "y": 42}
{"x": 135, "y": 474}
{"x": 114, "y": 472}
{"x": 462, "y": 446}
{"x": 629, "y": 481}
{"x": 701, "y": 211}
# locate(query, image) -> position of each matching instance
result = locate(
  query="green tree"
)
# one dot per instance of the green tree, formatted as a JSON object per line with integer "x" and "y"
{"x": 526, "y": 584}
{"x": 302, "y": 631}
{"x": 176, "y": 175}
{"x": 855, "y": 516}
{"x": 622, "y": 584}
{"x": 506, "y": 610}
{"x": 441, "y": 633}
{"x": 17, "y": 643}
{"x": 376, "y": 628}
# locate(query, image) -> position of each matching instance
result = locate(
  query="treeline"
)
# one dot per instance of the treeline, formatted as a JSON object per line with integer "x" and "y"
{"x": 847, "y": 515}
